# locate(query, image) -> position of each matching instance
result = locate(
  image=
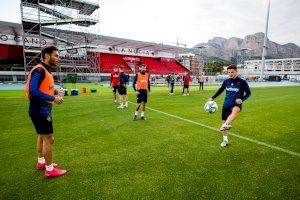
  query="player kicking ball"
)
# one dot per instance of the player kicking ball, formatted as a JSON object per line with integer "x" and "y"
{"x": 237, "y": 91}
{"x": 141, "y": 86}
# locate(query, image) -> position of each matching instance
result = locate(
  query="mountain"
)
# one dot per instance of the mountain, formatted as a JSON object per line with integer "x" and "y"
{"x": 236, "y": 49}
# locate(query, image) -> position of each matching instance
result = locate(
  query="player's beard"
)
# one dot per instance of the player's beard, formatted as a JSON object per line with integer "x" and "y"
{"x": 52, "y": 62}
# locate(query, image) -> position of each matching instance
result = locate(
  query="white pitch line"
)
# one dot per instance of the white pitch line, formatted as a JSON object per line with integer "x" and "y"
{"x": 230, "y": 133}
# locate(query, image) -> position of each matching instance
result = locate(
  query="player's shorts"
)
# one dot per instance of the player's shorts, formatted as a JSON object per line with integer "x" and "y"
{"x": 122, "y": 90}
{"x": 227, "y": 110}
{"x": 115, "y": 88}
{"x": 42, "y": 125}
{"x": 142, "y": 96}
{"x": 186, "y": 86}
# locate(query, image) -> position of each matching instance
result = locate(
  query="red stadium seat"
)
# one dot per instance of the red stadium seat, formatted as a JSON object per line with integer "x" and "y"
{"x": 174, "y": 65}
{"x": 108, "y": 61}
{"x": 154, "y": 65}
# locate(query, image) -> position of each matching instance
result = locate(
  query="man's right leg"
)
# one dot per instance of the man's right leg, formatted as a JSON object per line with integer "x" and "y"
{"x": 121, "y": 100}
{"x": 136, "y": 112}
{"x": 126, "y": 100}
{"x": 172, "y": 88}
{"x": 115, "y": 97}
{"x": 143, "y": 107}
{"x": 225, "y": 137}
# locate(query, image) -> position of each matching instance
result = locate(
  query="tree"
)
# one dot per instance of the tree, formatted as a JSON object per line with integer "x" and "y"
{"x": 216, "y": 67}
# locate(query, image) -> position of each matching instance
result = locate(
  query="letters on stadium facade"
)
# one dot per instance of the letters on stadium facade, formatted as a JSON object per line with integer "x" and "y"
{"x": 35, "y": 41}
{"x": 17, "y": 40}
{"x": 132, "y": 51}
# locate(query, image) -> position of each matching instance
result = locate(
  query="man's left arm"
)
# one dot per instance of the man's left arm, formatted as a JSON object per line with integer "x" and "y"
{"x": 149, "y": 84}
{"x": 247, "y": 91}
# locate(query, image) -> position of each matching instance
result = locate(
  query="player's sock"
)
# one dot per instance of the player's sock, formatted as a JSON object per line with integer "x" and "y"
{"x": 225, "y": 138}
{"x": 41, "y": 160}
{"x": 49, "y": 167}
{"x": 136, "y": 112}
{"x": 126, "y": 103}
{"x": 142, "y": 114}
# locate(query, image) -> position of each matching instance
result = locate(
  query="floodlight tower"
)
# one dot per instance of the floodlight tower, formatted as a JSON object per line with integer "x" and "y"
{"x": 265, "y": 45}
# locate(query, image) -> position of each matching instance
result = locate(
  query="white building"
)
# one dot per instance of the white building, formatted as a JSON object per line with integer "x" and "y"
{"x": 287, "y": 67}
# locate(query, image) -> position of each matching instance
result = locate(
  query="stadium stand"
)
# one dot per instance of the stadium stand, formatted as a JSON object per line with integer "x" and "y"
{"x": 108, "y": 61}
{"x": 154, "y": 65}
{"x": 173, "y": 65}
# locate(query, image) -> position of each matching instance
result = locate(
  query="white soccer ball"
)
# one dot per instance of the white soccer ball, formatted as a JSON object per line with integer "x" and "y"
{"x": 211, "y": 107}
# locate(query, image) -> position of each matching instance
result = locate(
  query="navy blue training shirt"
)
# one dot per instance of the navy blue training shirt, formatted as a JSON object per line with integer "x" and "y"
{"x": 235, "y": 89}
{"x": 123, "y": 79}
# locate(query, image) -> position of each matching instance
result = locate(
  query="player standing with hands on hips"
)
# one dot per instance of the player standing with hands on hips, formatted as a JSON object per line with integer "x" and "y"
{"x": 39, "y": 89}
{"x": 141, "y": 86}
{"x": 237, "y": 91}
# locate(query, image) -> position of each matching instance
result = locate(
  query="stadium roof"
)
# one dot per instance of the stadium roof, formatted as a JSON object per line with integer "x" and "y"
{"x": 15, "y": 28}
{"x": 139, "y": 45}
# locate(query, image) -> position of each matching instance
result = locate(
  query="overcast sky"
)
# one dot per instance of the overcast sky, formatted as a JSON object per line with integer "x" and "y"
{"x": 192, "y": 21}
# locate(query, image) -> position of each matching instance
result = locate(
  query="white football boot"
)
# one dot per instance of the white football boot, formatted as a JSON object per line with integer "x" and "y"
{"x": 224, "y": 143}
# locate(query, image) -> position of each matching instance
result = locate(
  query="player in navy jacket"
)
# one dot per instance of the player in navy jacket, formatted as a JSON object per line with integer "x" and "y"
{"x": 237, "y": 91}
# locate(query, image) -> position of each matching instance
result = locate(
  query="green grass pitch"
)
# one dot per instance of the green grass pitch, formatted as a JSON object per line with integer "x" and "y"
{"x": 109, "y": 156}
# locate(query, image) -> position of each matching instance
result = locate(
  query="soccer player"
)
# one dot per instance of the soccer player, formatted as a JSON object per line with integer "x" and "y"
{"x": 201, "y": 82}
{"x": 237, "y": 91}
{"x": 172, "y": 83}
{"x": 126, "y": 97}
{"x": 114, "y": 82}
{"x": 122, "y": 88}
{"x": 168, "y": 80}
{"x": 39, "y": 89}
{"x": 141, "y": 86}
{"x": 186, "y": 84}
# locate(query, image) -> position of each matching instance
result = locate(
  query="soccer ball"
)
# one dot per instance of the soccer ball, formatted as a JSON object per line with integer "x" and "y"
{"x": 211, "y": 107}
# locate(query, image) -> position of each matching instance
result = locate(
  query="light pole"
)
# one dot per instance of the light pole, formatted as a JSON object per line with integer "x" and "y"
{"x": 200, "y": 53}
{"x": 265, "y": 45}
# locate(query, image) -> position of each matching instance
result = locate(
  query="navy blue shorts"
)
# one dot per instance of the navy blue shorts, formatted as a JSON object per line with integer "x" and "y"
{"x": 42, "y": 125}
{"x": 186, "y": 86}
{"x": 142, "y": 96}
{"x": 226, "y": 110}
{"x": 122, "y": 90}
